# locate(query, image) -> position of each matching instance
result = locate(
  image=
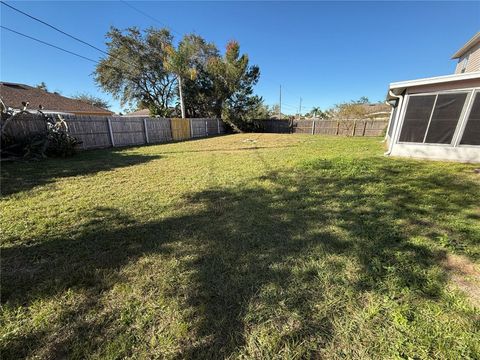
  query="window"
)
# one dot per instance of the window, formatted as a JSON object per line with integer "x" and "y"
{"x": 471, "y": 134}
{"x": 416, "y": 119}
{"x": 464, "y": 63}
{"x": 448, "y": 109}
{"x": 432, "y": 119}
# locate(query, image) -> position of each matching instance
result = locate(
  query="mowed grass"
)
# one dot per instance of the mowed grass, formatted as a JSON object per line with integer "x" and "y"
{"x": 257, "y": 246}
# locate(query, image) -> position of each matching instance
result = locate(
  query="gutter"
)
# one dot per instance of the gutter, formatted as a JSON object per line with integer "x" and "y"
{"x": 397, "y": 114}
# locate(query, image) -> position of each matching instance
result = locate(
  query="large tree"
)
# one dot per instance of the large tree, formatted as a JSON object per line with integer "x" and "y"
{"x": 146, "y": 70}
{"x": 199, "y": 95}
{"x": 185, "y": 62}
{"x": 134, "y": 71}
{"x": 233, "y": 82}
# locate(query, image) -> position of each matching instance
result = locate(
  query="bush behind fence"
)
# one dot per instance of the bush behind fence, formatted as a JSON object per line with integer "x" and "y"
{"x": 97, "y": 132}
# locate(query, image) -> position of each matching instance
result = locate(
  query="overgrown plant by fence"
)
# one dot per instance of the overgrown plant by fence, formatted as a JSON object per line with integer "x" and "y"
{"x": 110, "y": 131}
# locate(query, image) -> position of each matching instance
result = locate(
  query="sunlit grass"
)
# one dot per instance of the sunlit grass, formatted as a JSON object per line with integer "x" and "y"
{"x": 242, "y": 246}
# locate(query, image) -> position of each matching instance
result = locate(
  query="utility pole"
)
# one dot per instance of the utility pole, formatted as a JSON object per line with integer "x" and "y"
{"x": 300, "y": 109}
{"x": 280, "y": 104}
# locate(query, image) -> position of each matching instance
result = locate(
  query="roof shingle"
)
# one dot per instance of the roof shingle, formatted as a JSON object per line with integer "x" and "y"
{"x": 13, "y": 94}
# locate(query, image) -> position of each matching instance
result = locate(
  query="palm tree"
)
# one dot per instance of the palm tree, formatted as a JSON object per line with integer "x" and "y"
{"x": 315, "y": 111}
{"x": 179, "y": 63}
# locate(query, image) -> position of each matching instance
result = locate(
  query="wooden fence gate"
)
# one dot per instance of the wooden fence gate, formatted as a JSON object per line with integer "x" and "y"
{"x": 180, "y": 129}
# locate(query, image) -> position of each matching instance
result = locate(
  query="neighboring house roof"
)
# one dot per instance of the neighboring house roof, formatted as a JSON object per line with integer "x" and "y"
{"x": 13, "y": 94}
{"x": 143, "y": 112}
{"x": 398, "y": 87}
{"x": 468, "y": 45}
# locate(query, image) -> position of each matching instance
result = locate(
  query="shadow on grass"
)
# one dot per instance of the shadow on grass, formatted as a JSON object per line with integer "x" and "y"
{"x": 236, "y": 242}
{"x": 25, "y": 175}
{"x": 253, "y": 147}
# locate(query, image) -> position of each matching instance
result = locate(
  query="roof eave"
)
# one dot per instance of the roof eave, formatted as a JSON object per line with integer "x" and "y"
{"x": 467, "y": 46}
{"x": 399, "y": 87}
{"x": 435, "y": 80}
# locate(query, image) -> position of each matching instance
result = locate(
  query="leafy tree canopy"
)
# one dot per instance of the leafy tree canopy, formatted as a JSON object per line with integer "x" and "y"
{"x": 92, "y": 99}
{"x": 145, "y": 69}
{"x": 134, "y": 72}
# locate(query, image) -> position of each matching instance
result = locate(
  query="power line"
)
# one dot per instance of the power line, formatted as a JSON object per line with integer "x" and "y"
{"x": 54, "y": 28}
{"x": 63, "y": 32}
{"x": 59, "y": 48}
{"x": 48, "y": 44}
{"x": 149, "y": 16}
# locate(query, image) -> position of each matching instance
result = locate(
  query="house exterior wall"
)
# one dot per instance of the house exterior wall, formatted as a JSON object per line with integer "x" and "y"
{"x": 472, "y": 56}
{"x": 453, "y": 151}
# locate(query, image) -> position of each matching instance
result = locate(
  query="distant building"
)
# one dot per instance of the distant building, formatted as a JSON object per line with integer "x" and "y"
{"x": 468, "y": 56}
{"x": 140, "y": 113}
{"x": 439, "y": 117}
{"x": 12, "y": 95}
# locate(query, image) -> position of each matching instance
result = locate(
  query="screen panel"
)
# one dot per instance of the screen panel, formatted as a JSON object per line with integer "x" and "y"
{"x": 392, "y": 124}
{"x": 446, "y": 114}
{"x": 471, "y": 134}
{"x": 419, "y": 109}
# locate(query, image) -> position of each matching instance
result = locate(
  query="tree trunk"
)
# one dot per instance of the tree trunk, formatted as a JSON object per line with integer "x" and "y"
{"x": 180, "y": 92}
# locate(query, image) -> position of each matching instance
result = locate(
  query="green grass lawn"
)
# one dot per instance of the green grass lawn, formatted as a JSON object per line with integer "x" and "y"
{"x": 257, "y": 246}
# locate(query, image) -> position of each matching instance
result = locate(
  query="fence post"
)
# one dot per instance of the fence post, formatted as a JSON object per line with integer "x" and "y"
{"x": 191, "y": 128}
{"x": 338, "y": 127}
{"x": 313, "y": 127}
{"x": 110, "y": 132}
{"x": 146, "y": 131}
{"x": 218, "y": 127}
{"x": 364, "y": 127}
{"x": 206, "y": 127}
{"x": 354, "y": 127}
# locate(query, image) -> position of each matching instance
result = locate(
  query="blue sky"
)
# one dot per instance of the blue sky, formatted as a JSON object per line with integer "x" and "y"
{"x": 324, "y": 52}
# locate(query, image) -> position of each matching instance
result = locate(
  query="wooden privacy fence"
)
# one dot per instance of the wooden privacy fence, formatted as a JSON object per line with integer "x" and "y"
{"x": 98, "y": 131}
{"x": 346, "y": 127}
{"x": 274, "y": 126}
{"x": 113, "y": 131}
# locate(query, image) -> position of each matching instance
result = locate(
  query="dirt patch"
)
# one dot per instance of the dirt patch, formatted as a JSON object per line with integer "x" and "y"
{"x": 465, "y": 275}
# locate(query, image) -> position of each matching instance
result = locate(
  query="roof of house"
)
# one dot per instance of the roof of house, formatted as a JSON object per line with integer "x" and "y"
{"x": 398, "y": 87}
{"x": 472, "y": 42}
{"x": 143, "y": 112}
{"x": 13, "y": 94}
